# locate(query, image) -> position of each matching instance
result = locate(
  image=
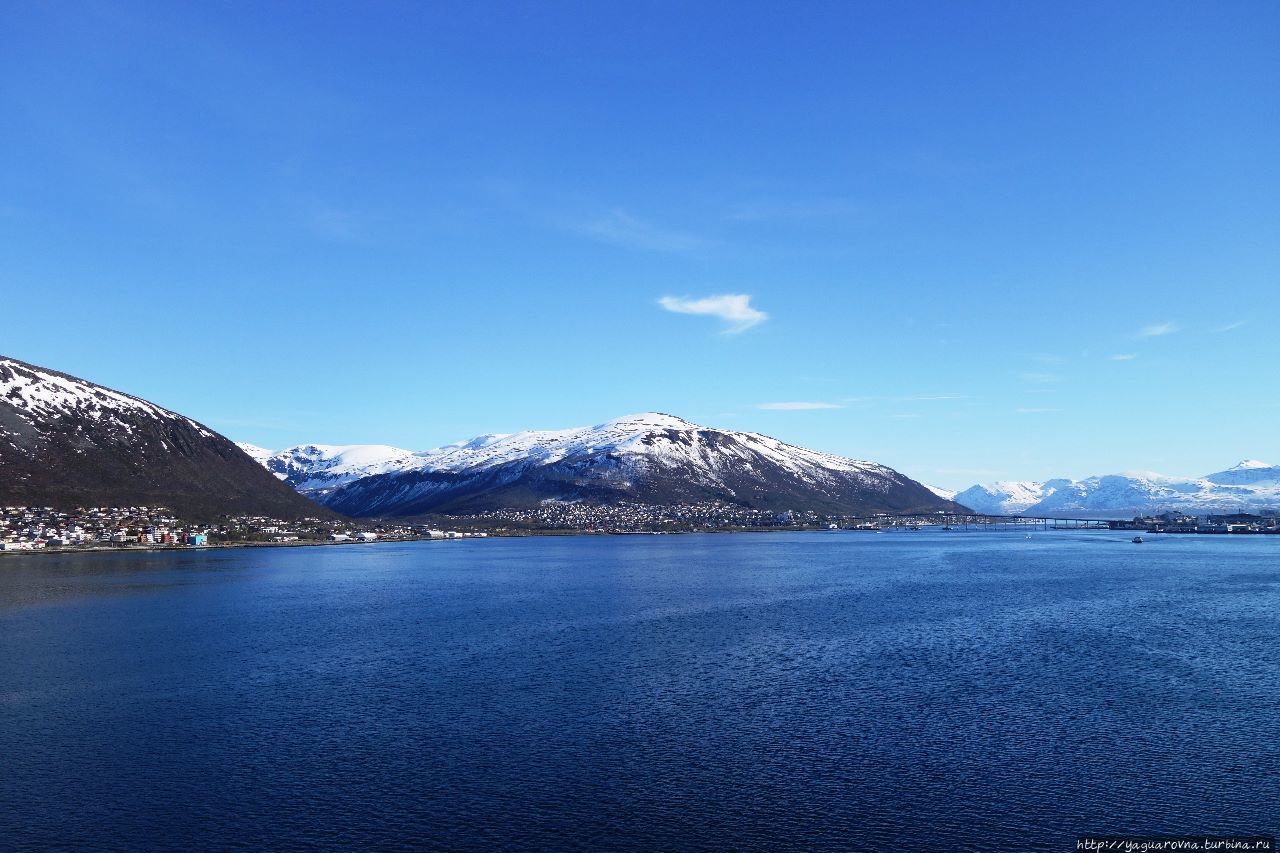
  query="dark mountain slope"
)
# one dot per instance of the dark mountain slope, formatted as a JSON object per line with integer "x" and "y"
{"x": 66, "y": 442}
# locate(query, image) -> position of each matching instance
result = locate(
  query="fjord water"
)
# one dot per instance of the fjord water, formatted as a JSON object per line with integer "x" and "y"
{"x": 920, "y": 691}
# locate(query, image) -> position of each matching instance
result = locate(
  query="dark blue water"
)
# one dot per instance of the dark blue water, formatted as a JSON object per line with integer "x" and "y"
{"x": 852, "y": 691}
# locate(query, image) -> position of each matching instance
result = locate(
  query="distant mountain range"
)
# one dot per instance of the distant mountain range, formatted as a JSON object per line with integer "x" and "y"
{"x": 649, "y": 458}
{"x": 1249, "y": 486}
{"x": 67, "y": 443}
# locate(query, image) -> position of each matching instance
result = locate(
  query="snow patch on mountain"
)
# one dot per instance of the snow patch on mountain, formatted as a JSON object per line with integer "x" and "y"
{"x": 652, "y": 453}
{"x": 1007, "y": 497}
{"x": 67, "y": 442}
{"x": 945, "y": 494}
{"x": 257, "y": 454}
{"x": 1248, "y": 486}
{"x": 40, "y": 396}
{"x": 320, "y": 468}
{"x": 1250, "y": 472}
{"x": 660, "y": 437}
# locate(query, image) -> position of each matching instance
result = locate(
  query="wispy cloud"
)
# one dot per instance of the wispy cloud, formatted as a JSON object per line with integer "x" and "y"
{"x": 797, "y": 406}
{"x": 1039, "y": 377}
{"x": 1230, "y": 327}
{"x": 622, "y": 229}
{"x": 907, "y": 416}
{"x": 968, "y": 472}
{"x": 933, "y": 397}
{"x": 1158, "y": 330}
{"x": 1036, "y": 410}
{"x": 810, "y": 209}
{"x": 733, "y": 308}
{"x": 1048, "y": 358}
{"x": 1124, "y": 356}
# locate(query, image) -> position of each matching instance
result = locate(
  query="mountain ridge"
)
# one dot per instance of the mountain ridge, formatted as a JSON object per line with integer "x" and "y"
{"x": 649, "y": 457}
{"x": 1249, "y": 485}
{"x": 67, "y": 442}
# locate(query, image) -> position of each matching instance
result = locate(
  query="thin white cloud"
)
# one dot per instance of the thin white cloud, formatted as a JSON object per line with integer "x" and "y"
{"x": 1230, "y": 327}
{"x": 934, "y": 397}
{"x": 1124, "y": 356}
{"x": 796, "y": 406}
{"x": 1039, "y": 377}
{"x": 1036, "y": 410}
{"x": 907, "y": 416}
{"x": 969, "y": 472}
{"x": 811, "y": 209}
{"x": 620, "y": 228}
{"x": 733, "y": 308}
{"x": 1158, "y": 330}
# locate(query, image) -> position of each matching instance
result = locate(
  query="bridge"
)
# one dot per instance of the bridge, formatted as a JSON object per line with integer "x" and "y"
{"x": 982, "y": 521}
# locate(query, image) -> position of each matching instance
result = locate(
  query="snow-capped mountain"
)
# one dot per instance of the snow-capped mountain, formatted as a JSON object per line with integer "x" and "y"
{"x": 257, "y": 454}
{"x": 67, "y": 442}
{"x": 945, "y": 494}
{"x": 1250, "y": 472}
{"x": 1249, "y": 486}
{"x": 1007, "y": 497}
{"x": 650, "y": 457}
{"x": 318, "y": 469}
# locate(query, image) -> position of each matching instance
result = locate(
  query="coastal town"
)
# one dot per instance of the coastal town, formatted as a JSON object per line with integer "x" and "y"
{"x": 633, "y": 517}
{"x": 627, "y": 517}
{"x": 142, "y": 527}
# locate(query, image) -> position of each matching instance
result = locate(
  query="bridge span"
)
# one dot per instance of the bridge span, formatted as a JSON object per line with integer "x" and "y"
{"x": 982, "y": 521}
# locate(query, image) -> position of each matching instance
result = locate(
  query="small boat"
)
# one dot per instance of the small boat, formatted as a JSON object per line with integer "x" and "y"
{"x": 1137, "y": 540}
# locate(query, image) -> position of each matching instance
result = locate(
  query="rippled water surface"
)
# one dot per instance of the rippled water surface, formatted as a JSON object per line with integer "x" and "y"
{"x": 854, "y": 691}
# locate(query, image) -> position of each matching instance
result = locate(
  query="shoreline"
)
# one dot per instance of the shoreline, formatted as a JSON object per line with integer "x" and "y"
{"x": 143, "y": 549}
{"x": 177, "y": 549}
{"x": 146, "y": 549}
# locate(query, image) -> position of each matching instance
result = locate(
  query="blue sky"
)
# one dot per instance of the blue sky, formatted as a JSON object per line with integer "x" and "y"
{"x": 990, "y": 240}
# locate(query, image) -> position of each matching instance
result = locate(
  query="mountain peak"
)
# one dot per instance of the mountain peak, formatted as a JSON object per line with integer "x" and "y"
{"x": 256, "y": 453}
{"x": 69, "y": 442}
{"x": 649, "y": 457}
{"x": 646, "y": 420}
{"x": 40, "y": 395}
{"x": 1250, "y": 485}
